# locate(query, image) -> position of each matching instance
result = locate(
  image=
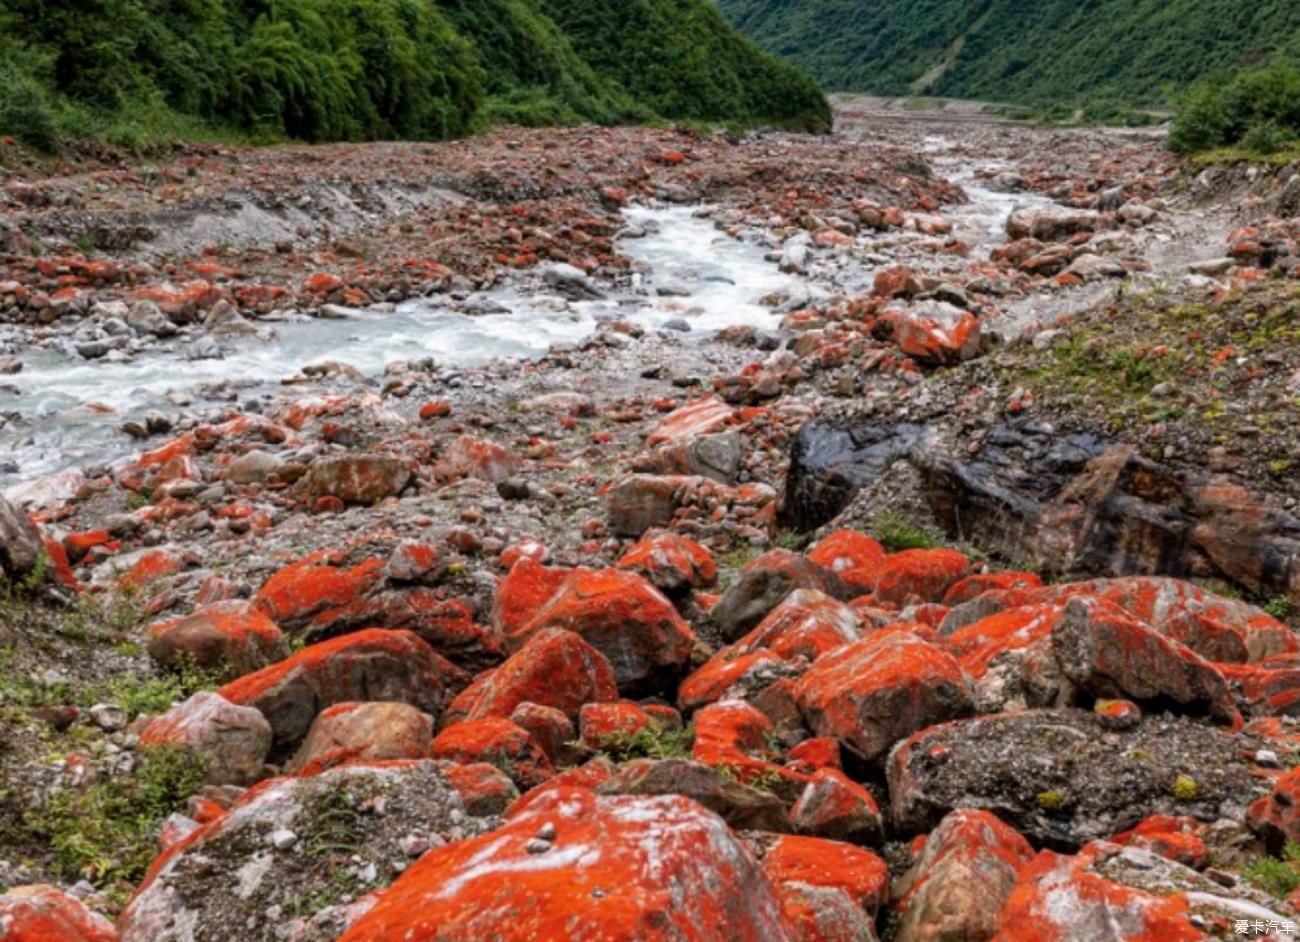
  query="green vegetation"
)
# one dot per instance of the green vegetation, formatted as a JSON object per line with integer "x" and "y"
{"x": 897, "y": 533}
{"x": 136, "y": 72}
{"x": 1184, "y": 788}
{"x": 1277, "y": 876}
{"x": 648, "y": 742}
{"x": 1100, "y": 57}
{"x": 1256, "y": 110}
{"x": 107, "y": 831}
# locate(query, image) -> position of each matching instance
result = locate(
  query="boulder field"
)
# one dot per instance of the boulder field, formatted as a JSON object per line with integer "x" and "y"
{"x": 865, "y": 625}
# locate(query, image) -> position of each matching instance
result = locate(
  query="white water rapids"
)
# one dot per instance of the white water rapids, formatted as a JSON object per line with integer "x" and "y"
{"x": 67, "y": 408}
{"x": 63, "y": 410}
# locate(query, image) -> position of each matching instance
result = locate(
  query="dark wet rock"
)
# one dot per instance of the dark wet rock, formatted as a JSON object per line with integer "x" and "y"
{"x": 1066, "y": 503}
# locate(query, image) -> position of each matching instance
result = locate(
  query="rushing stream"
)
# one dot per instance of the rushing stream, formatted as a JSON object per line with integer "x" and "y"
{"x": 68, "y": 407}
{"x": 64, "y": 410}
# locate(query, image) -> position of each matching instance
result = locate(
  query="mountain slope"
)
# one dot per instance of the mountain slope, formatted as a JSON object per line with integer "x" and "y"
{"x": 363, "y": 69}
{"x": 1015, "y": 50}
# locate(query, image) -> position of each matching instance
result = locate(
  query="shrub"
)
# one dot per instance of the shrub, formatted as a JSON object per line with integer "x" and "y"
{"x": 25, "y": 110}
{"x": 1256, "y": 109}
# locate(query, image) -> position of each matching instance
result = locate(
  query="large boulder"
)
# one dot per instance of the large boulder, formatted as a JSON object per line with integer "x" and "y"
{"x": 1109, "y": 893}
{"x": 763, "y": 584}
{"x": 1106, "y": 653}
{"x": 328, "y": 838}
{"x": 374, "y": 664}
{"x": 347, "y": 733}
{"x": 1055, "y": 778}
{"x": 872, "y": 693}
{"x": 674, "y": 564}
{"x": 573, "y": 866}
{"x": 623, "y": 617}
{"x": 554, "y": 668}
{"x": 961, "y": 880}
{"x": 231, "y": 742}
{"x": 230, "y": 637}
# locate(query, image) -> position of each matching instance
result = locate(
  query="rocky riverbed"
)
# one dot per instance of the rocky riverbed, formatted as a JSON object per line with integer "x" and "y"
{"x": 650, "y": 532}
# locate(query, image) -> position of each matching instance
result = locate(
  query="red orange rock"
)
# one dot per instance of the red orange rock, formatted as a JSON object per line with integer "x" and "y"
{"x": 614, "y": 869}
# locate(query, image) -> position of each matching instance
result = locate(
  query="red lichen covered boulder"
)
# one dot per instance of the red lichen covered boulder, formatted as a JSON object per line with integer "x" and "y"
{"x": 602, "y": 725}
{"x": 806, "y": 624}
{"x": 734, "y": 736}
{"x": 624, "y": 617}
{"x": 833, "y": 805}
{"x": 671, "y": 562}
{"x": 974, "y": 586}
{"x": 357, "y": 479}
{"x": 353, "y": 732}
{"x": 1215, "y": 627}
{"x": 569, "y": 865}
{"x": 763, "y": 584}
{"x": 1176, "y": 838}
{"x": 919, "y": 575}
{"x": 554, "y": 668}
{"x": 225, "y": 636}
{"x": 484, "y": 789}
{"x": 1106, "y": 653}
{"x": 1063, "y": 899}
{"x": 851, "y": 555}
{"x": 299, "y": 592}
{"x": 1009, "y": 658}
{"x": 961, "y": 880}
{"x": 724, "y": 671}
{"x": 1276, "y": 816}
{"x": 934, "y": 332}
{"x": 550, "y": 728}
{"x": 231, "y": 741}
{"x": 817, "y": 862}
{"x": 702, "y": 417}
{"x": 470, "y": 457}
{"x": 44, "y": 914}
{"x": 526, "y": 589}
{"x": 871, "y": 694}
{"x": 497, "y": 742}
{"x": 368, "y": 665}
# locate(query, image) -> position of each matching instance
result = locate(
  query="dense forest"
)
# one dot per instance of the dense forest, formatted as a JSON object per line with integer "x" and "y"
{"x": 130, "y": 71}
{"x": 1135, "y": 52}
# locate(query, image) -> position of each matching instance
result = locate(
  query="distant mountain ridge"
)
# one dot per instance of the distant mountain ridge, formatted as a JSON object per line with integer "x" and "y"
{"x": 1019, "y": 50}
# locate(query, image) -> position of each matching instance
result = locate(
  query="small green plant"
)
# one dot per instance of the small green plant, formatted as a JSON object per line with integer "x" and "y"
{"x": 1280, "y": 607}
{"x": 335, "y": 824}
{"x": 649, "y": 742}
{"x": 896, "y": 532}
{"x": 85, "y": 244}
{"x": 1050, "y": 800}
{"x": 1277, "y": 876}
{"x": 1184, "y": 788}
{"x": 107, "y": 831}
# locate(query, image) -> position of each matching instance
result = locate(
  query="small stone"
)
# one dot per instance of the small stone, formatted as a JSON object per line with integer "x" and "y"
{"x": 537, "y": 846}
{"x": 1267, "y": 758}
{"x": 282, "y": 838}
{"x": 108, "y": 717}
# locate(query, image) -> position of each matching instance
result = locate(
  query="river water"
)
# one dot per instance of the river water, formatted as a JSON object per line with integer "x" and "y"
{"x": 64, "y": 410}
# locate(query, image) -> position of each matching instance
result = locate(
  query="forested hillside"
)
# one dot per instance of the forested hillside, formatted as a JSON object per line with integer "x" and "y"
{"x": 1123, "y": 50}
{"x": 360, "y": 69}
